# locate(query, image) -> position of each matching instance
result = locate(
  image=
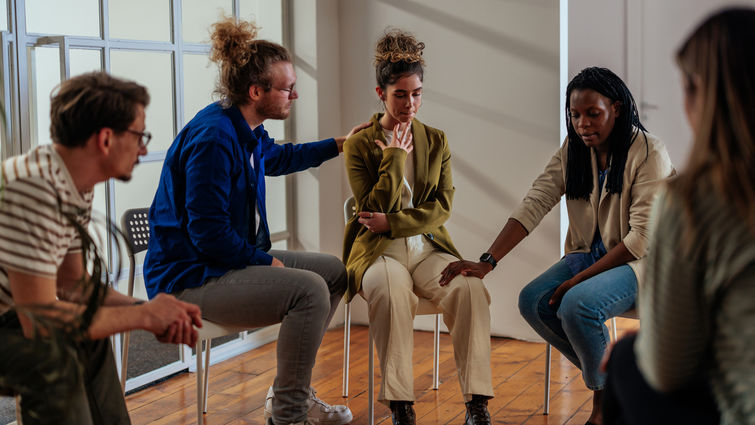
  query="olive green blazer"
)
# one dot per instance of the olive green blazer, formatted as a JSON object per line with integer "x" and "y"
{"x": 376, "y": 177}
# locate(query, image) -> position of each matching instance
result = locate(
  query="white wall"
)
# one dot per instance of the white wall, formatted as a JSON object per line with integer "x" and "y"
{"x": 637, "y": 39}
{"x": 492, "y": 84}
{"x": 597, "y": 36}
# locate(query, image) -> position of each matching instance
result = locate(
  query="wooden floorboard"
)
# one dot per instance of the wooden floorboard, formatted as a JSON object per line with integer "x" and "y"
{"x": 238, "y": 385}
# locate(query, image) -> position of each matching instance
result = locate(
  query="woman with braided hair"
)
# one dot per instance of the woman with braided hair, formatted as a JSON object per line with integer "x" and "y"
{"x": 609, "y": 168}
{"x": 396, "y": 246}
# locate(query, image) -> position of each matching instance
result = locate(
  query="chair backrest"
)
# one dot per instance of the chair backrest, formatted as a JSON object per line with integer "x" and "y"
{"x": 349, "y": 208}
{"x": 135, "y": 226}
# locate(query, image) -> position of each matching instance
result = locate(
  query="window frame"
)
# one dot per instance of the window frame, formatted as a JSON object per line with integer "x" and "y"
{"x": 16, "y": 93}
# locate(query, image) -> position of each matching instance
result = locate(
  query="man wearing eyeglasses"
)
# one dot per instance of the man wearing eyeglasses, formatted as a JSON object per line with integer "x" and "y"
{"x": 97, "y": 130}
{"x": 210, "y": 241}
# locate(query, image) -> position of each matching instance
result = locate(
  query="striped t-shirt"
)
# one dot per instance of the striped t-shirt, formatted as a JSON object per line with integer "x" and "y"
{"x": 37, "y": 197}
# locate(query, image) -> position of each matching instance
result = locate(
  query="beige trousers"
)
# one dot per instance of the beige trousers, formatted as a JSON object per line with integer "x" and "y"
{"x": 408, "y": 269}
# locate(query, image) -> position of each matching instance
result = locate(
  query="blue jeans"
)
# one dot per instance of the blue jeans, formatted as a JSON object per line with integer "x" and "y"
{"x": 576, "y": 326}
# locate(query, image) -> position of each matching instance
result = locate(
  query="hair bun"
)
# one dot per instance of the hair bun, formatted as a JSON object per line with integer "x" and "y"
{"x": 399, "y": 46}
{"x": 233, "y": 42}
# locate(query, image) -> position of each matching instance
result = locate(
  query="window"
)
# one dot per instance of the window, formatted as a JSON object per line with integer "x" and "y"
{"x": 162, "y": 44}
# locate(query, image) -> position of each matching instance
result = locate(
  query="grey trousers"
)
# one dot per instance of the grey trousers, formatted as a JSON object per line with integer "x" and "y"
{"x": 302, "y": 297}
{"x": 94, "y": 399}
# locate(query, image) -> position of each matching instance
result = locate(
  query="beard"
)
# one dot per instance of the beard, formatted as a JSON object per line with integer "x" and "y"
{"x": 269, "y": 109}
{"x": 127, "y": 177}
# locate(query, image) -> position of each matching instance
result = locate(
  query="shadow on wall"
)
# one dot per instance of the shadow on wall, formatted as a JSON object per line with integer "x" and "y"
{"x": 537, "y": 131}
{"x": 547, "y": 60}
{"x": 497, "y": 194}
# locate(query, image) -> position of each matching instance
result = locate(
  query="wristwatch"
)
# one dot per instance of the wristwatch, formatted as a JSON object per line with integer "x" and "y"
{"x": 488, "y": 258}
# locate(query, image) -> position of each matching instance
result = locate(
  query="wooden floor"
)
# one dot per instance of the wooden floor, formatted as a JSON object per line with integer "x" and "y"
{"x": 238, "y": 386}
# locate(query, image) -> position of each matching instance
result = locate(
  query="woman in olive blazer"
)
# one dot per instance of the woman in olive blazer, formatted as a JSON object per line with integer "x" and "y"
{"x": 433, "y": 195}
{"x": 396, "y": 246}
{"x": 610, "y": 169}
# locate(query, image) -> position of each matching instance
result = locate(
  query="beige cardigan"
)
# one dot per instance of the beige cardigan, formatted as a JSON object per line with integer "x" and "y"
{"x": 620, "y": 217}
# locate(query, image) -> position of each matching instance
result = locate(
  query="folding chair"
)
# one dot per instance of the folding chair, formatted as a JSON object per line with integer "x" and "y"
{"x": 424, "y": 307}
{"x": 135, "y": 226}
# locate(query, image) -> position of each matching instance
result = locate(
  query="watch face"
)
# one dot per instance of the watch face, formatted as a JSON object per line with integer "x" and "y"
{"x": 488, "y": 258}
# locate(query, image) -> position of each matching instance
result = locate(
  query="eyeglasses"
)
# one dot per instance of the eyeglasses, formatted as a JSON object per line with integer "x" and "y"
{"x": 290, "y": 90}
{"x": 144, "y": 137}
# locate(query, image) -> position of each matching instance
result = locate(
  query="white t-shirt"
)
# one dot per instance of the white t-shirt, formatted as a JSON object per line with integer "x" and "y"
{"x": 38, "y": 199}
{"x": 417, "y": 245}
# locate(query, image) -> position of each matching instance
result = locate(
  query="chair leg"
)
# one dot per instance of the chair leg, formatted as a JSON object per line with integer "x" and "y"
{"x": 208, "y": 347}
{"x": 200, "y": 384}
{"x": 436, "y": 353}
{"x": 371, "y": 383}
{"x": 547, "y": 401}
{"x": 613, "y": 327}
{"x": 346, "y": 347}
{"x": 124, "y": 359}
{"x": 18, "y": 410}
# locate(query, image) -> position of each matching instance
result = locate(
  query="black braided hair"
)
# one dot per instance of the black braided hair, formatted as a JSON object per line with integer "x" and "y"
{"x": 626, "y": 127}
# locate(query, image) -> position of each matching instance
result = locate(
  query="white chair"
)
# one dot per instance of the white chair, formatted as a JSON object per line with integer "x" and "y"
{"x": 424, "y": 307}
{"x": 631, "y": 314}
{"x": 135, "y": 226}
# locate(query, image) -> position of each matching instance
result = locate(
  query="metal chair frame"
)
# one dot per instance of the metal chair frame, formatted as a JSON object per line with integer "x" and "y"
{"x": 631, "y": 314}
{"x": 135, "y": 226}
{"x": 424, "y": 307}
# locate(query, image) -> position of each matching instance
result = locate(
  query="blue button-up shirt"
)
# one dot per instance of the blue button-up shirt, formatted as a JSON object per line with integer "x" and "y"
{"x": 201, "y": 220}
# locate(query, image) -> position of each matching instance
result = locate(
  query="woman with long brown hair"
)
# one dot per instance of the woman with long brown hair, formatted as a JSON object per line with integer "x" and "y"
{"x": 697, "y": 309}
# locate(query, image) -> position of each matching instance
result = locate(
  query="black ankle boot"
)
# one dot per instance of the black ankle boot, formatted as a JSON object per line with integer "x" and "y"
{"x": 477, "y": 411}
{"x": 402, "y": 413}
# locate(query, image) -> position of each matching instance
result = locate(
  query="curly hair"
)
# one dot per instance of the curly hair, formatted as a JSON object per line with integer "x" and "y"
{"x": 624, "y": 132}
{"x": 398, "y": 53}
{"x": 243, "y": 59}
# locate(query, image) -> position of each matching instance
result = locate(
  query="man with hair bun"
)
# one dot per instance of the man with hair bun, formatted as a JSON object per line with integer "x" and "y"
{"x": 210, "y": 240}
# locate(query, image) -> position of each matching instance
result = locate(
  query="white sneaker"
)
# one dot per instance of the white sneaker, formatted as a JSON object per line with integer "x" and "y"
{"x": 320, "y": 412}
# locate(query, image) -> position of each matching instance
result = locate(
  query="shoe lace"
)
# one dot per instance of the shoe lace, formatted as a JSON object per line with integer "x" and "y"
{"x": 316, "y": 400}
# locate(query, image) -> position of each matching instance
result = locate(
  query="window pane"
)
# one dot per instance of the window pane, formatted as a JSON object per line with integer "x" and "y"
{"x": 155, "y": 71}
{"x": 199, "y": 82}
{"x": 4, "y": 15}
{"x": 140, "y": 19}
{"x": 198, "y": 15}
{"x": 7, "y": 124}
{"x": 84, "y": 60}
{"x": 44, "y": 75}
{"x": 275, "y": 200}
{"x": 63, "y": 17}
{"x": 267, "y": 14}
{"x": 97, "y": 225}
{"x": 137, "y": 193}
